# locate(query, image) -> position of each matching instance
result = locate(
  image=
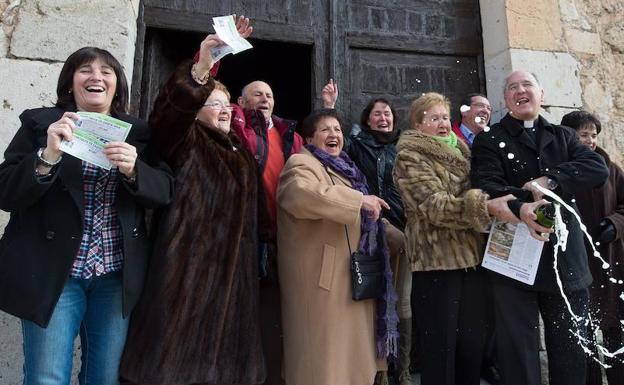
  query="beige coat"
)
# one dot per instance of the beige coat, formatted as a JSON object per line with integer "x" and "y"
{"x": 329, "y": 339}
{"x": 444, "y": 215}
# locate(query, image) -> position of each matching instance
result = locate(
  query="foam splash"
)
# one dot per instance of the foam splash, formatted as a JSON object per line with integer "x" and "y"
{"x": 562, "y": 238}
{"x": 464, "y": 108}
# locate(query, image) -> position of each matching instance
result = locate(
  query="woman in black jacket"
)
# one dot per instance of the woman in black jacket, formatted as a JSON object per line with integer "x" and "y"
{"x": 373, "y": 151}
{"x": 74, "y": 253}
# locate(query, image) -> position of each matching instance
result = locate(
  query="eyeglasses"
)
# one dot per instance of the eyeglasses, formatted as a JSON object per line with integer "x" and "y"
{"x": 218, "y": 106}
{"x": 436, "y": 119}
{"x": 482, "y": 105}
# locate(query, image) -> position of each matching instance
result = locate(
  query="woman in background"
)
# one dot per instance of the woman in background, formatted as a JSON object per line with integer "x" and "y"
{"x": 373, "y": 150}
{"x": 602, "y": 211}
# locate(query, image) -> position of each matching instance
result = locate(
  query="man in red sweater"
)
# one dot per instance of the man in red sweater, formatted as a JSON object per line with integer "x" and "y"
{"x": 271, "y": 140}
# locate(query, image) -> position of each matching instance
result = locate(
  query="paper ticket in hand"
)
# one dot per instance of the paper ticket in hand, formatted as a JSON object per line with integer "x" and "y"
{"x": 92, "y": 132}
{"x": 226, "y": 30}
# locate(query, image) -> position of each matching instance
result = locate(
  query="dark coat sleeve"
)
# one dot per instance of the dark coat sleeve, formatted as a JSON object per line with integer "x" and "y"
{"x": 617, "y": 216}
{"x": 487, "y": 173}
{"x": 19, "y": 187}
{"x": 175, "y": 110}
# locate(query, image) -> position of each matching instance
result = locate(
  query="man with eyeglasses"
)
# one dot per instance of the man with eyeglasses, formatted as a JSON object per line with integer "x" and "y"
{"x": 475, "y": 112}
{"x": 520, "y": 151}
{"x": 271, "y": 140}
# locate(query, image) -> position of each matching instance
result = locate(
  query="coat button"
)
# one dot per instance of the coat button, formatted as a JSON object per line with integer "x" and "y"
{"x": 135, "y": 233}
{"x": 50, "y": 235}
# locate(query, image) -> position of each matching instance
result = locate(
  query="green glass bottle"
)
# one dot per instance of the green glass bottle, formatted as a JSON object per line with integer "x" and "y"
{"x": 546, "y": 215}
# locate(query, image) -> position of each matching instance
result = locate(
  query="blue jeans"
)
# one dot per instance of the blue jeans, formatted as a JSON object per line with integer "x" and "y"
{"x": 92, "y": 307}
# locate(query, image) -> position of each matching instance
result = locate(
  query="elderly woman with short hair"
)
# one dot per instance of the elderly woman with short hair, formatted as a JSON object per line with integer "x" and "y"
{"x": 324, "y": 213}
{"x": 444, "y": 218}
{"x": 197, "y": 322}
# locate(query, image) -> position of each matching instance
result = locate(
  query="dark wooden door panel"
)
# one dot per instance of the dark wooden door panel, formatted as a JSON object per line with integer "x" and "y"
{"x": 401, "y": 77}
{"x": 451, "y": 27}
{"x": 396, "y": 49}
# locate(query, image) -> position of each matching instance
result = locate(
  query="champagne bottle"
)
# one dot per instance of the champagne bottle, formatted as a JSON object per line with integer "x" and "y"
{"x": 546, "y": 215}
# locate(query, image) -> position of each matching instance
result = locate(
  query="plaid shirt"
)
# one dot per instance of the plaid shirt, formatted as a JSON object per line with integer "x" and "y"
{"x": 100, "y": 249}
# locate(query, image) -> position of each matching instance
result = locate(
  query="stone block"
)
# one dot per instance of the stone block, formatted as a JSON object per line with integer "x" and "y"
{"x": 496, "y": 69}
{"x": 25, "y": 84}
{"x": 568, "y": 10}
{"x": 494, "y": 25}
{"x": 52, "y": 29}
{"x": 558, "y": 73}
{"x": 614, "y": 35}
{"x": 534, "y": 24}
{"x": 4, "y": 44}
{"x": 597, "y": 97}
{"x": 554, "y": 114}
{"x": 571, "y": 16}
{"x": 10, "y": 347}
{"x": 583, "y": 41}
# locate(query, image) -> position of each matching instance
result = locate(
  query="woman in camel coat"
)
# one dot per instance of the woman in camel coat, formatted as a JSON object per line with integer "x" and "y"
{"x": 329, "y": 338}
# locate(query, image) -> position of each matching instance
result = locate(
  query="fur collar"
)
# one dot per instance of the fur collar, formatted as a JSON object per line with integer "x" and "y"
{"x": 415, "y": 141}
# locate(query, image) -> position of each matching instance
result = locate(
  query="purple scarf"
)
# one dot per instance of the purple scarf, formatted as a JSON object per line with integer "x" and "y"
{"x": 372, "y": 236}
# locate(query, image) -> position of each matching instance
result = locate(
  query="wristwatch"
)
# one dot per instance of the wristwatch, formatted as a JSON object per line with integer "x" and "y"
{"x": 551, "y": 184}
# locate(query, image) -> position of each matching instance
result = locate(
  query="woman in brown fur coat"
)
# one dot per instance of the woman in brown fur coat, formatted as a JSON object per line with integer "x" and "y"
{"x": 197, "y": 320}
{"x": 444, "y": 218}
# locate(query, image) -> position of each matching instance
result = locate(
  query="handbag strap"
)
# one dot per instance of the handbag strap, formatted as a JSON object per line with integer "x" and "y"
{"x": 345, "y": 226}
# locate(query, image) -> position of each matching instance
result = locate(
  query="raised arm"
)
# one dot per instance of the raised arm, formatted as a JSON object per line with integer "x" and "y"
{"x": 181, "y": 98}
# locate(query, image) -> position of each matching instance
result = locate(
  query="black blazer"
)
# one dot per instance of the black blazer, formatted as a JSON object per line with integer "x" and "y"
{"x": 43, "y": 235}
{"x": 561, "y": 157}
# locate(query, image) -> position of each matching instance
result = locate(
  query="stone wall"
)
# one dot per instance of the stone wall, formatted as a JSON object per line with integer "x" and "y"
{"x": 593, "y": 33}
{"x": 36, "y": 37}
{"x": 576, "y": 47}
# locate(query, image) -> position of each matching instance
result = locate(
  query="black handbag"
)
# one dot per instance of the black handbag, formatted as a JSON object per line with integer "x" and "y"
{"x": 367, "y": 271}
{"x": 367, "y": 274}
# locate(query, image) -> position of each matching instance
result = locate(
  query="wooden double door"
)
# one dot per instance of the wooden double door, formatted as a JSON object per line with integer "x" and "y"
{"x": 395, "y": 49}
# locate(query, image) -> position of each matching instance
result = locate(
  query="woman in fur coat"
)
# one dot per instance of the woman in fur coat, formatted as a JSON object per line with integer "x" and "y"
{"x": 197, "y": 320}
{"x": 444, "y": 218}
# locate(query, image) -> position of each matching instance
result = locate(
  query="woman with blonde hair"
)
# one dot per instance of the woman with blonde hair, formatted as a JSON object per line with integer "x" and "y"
{"x": 444, "y": 218}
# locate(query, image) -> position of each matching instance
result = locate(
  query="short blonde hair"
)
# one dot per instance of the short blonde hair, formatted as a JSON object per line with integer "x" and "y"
{"x": 221, "y": 87}
{"x": 422, "y": 104}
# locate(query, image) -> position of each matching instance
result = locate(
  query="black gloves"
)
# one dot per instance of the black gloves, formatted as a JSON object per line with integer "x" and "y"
{"x": 607, "y": 231}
